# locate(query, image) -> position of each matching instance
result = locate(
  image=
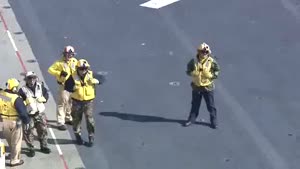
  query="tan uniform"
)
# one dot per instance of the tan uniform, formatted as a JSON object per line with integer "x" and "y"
{"x": 12, "y": 125}
{"x": 64, "y": 101}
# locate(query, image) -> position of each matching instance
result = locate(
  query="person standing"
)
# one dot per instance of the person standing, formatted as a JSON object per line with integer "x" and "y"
{"x": 62, "y": 69}
{"x": 35, "y": 96}
{"x": 82, "y": 85}
{"x": 13, "y": 114}
{"x": 203, "y": 70}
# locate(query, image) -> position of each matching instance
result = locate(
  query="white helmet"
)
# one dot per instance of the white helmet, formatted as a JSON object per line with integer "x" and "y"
{"x": 204, "y": 47}
{"x": 30, "y": 74}
{"x": 69, "y": 49}
{"x": 30, "y": 78}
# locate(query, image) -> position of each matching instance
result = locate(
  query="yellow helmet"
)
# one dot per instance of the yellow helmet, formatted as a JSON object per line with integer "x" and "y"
{"x": 204, "y": 47}
{"x": 12, "y": 83}
{"x": 82, "y": 63}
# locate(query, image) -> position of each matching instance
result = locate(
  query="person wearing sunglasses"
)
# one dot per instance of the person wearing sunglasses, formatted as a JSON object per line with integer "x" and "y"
{"x": 62, "y": 69}
{"x": 203, "y": 70}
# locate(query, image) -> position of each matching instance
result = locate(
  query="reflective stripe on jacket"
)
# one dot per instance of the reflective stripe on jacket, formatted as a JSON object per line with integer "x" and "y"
{"x": 7, "y": 108}
{"x": 60, "y": 65}
{"x": 31, "y": 102}
{"x": 84, "y": 90}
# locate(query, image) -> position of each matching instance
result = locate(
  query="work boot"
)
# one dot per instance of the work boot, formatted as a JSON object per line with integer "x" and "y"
{"x": 62, "y": 127}
{"x": 45, "y": 149}
{"x": 78, "y": 139}
{"x": 213, "y": 126}
{"x": 187, "y": 123}
{"x": 17, "y": 164}
{"x": 213, "y": 122}
{"x": 69, "y": 123}
{"x": 31, "y": 152}
{"x": 91, "y": 141}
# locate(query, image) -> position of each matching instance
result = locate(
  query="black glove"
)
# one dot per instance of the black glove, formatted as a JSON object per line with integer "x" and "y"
{"x": 190, "y": 66}
{"x": 63, "y": 73}
{"x": 19, "y": 124}
{"x": 215, "y": 75}
{"x": 26, "y": 128}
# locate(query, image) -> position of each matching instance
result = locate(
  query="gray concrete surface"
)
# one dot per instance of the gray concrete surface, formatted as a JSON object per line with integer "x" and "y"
{"x": 11, "y": 67}
{"x": 138, "y": 113}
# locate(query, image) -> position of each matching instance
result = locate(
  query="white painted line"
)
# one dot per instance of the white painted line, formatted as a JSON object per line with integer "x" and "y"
{"x": 24, "y": 69}
{"x": 268, "y": 150}
{"x": 156, "y": 4}
{"x": 264, "y": 145}
{"x": 12, "y": 40}
{"x": 175, "y": 83}
{"x": 54, "y": 138}
{"x": 292, "y": 7}
{"x": 50, "y": 129}
{"x": 102, "y": 73}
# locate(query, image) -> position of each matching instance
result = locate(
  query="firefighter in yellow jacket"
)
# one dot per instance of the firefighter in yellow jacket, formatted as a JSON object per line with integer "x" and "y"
{"x": 203, "y": 70}
{"x": 62, "y": 69}
{"x": 13, "y": 114}
{"x": 82, "y": 85}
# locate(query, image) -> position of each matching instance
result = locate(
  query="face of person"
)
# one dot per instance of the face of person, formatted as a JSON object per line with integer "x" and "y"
{"x": 82, "y": 71}
{"x": 31, "y": 80}
{"x": 202, "y": 54}
{"x": 68, "y": 55}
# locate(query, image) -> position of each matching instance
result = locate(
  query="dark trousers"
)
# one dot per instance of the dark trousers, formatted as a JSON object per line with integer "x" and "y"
{"x": 210, "y": 104}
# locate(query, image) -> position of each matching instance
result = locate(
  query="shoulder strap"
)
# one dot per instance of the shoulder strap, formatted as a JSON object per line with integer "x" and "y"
{"x": 27, "y": 91}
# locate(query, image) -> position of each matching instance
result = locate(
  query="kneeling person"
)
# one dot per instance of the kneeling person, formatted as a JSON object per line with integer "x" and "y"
{"x": 35, "y": 95}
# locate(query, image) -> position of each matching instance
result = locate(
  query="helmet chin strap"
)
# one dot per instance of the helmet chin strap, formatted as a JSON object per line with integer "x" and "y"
{"x": 14, "y": 89}
{"x": 81, "y": 74}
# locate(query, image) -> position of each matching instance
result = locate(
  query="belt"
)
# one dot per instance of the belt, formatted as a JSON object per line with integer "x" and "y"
{"x": 82, "y": 101}
{"x": 35, "y": 114}
{"x": 13, "y": 118}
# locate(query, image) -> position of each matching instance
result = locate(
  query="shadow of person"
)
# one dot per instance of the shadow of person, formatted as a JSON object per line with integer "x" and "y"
{"x": 61, "y": 141}
{"x": 139, "y": 118}
{"x": 146, "y": 118}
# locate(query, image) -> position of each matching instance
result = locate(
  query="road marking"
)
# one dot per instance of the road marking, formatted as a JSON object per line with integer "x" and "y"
{"x": 104, "y": 73}
{"x": 175, "y": 83}
{"x": 292, "y": 7}
{"x": 265, "y": 146}
{"x": 156, "y": 4}
{"x": 25, "y": 70}
{"x": 54, "y": 138}
{"x": 12, "y": 41}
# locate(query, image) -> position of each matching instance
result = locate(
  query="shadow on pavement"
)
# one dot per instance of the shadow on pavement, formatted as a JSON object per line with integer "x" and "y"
{"x": 146, "y": 118}
{"x": 61, "y": 141}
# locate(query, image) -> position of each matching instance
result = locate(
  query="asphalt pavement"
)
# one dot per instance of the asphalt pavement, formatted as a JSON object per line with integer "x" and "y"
{"x": 140, "y": 50}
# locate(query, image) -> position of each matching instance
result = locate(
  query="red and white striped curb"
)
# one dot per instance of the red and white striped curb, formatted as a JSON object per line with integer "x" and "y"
{"x": 25, "y": 70}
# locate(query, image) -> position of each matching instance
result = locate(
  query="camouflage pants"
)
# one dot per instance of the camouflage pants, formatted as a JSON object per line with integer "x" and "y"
{"x": 78, "y": 109}
{"x": 39, "y": 122}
